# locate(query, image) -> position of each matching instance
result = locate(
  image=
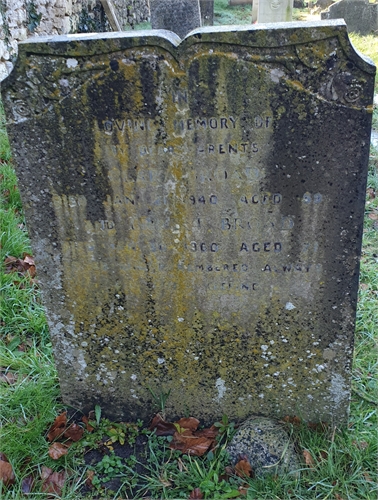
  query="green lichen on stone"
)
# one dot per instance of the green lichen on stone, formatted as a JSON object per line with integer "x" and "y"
{"x": 267, "y": 446}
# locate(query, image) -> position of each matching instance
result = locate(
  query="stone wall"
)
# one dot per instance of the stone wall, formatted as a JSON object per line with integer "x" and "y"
{"x": 22, "y": 18}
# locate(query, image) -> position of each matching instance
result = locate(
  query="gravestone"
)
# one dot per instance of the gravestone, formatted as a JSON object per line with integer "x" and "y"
{"x": 361, "y": 16}
{"x": 207, "y": 12}
{"x": 179, "y": 16}
{"x": 273, "y": 11}
{"x": 195, "y": 210}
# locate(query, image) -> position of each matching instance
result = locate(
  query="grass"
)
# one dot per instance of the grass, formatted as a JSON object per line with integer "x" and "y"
{"x": 343, "y": 460}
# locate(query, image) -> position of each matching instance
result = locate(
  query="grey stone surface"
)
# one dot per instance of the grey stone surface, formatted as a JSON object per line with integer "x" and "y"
{"x": 207, "y": 12}
{"x": 361, "y": 16}
{"x": 267, "y": 446}
{"x": 196, "y": 212}
{"x": 179, "y": 16}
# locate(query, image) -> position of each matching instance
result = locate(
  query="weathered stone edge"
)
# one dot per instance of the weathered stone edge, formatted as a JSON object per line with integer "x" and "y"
{"x": 284, "y": 34}
{"x": 262, "y": 35}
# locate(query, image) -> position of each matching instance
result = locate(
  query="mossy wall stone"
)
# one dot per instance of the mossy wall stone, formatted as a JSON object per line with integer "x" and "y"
{"x": 196, "y": 211}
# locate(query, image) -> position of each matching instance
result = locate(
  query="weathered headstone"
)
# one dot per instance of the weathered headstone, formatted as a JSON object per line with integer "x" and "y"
{"x": 361, "y": 16}
{"x": 196, "y": 214}
{"x": 207, "y": 12}
{"x": 179, "y": 16}
{"x": 274, "y": 11}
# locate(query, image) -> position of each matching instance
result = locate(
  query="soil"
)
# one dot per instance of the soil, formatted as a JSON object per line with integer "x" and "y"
{"x": 138, "y": 450}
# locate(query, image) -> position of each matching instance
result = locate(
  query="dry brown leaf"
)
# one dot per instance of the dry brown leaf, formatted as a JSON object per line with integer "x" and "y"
{"x": 308, "y": 458}
{"x": 74, "y": 432}
{"x": 361, "y": 445}
{"x": 58, "y": 427}
{"x": 373, "y": 216}
{"x": 31, "y": 271}
{"x": 9, "y": 378}
{"x": 196, "y": 494}
{"x": 161, "y": 427}
{"x": 6, "y": 471}
{"x": 28, "y": 259}
{"x": 323, "y": 455}
{"x": 188, "y": 423}
{"x": 318, "y": 426}
{"x": 57, "y": 450}
{"x": 90, "y": 476}
{"x": 367, "y": 477}
{"x": 88, "y": 426}
{"x": 53, "y": 482}
{"x": 338, "y": 497}
{"x": 191, "y": 445}
{"x": 243, "y": 469}
{"x": 211, "y": 432}
{"x": 292, "y": 420}
{"x": 243, "y": 490}
{"x": 27, "y": 484}
{"x": 370, "y": 192}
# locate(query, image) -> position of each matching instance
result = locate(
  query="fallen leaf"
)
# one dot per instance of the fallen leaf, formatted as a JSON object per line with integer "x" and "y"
{"x": 57, "y": 450}
{"x": 88, "y": 426}
{"x": 28, "y": 259}
{"x": 318, "y": 426}
{"x": 373, "y": 216}
{"x": 367, "y": 477}
{"x": 53, "y": 482}
{"x": 292, "y": 420}
{"x": 338, "y": 497}
{"x": 211, "y": 432}
{"x": 23, "y": 266}
{"x": 370, "y": 192}
{"x": 364, "y": 286}
{"x": 191, "y": 445}
{"x": 161, "y": 427}
{"x": 27, "y": 484}
{"x": 9, "y": 378}
{"x": 323, "y": 455}
{"x": 58, "y": 427}
{"x": 361, "y": 445}
{"x": 196, "y": 494}
{"x": 6, "y": 470}
{"x": 243, "y": 469}
{"x": 188, "y": 423}
{"x": 90, "y": 476}
{"x": 74, "y": 432}
{"x": 308, "y": 458}
{"x": 243, "y": 490}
